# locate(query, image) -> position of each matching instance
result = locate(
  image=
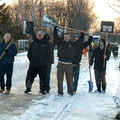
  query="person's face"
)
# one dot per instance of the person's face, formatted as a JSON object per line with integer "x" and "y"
{"x": 75, "y": 39}
{"x": 39, "y": 37}
{"x": 7, "y": 37}
{"x": 66, "y": 38}
{"x": 101, "y": 43}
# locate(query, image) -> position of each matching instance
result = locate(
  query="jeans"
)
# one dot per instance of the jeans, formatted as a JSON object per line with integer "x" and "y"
{"x": 8, "y": 70}
{"x": 48, "y": 78}
{"x": 76, "y": 69}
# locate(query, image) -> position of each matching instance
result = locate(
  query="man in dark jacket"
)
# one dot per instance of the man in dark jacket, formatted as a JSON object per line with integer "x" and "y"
{"x": 66, "y": 53}
{"x": 77, "y": 59}
{"x": 98, "y": 57}
{"x": 39, "y": 55}
{"x": 6, "y": 63}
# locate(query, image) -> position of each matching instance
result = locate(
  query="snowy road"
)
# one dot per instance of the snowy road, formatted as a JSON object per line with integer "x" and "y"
{"x": 81, "y": 106}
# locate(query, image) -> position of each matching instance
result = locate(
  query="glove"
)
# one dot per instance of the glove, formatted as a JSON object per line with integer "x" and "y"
{"x": 7, "y": 51}
{"x": 90, "y": 34}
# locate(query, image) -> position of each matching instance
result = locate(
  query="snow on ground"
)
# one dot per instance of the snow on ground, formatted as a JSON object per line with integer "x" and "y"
{"x": 81, "y": 106}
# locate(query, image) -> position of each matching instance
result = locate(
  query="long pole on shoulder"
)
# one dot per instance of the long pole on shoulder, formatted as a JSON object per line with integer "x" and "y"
{"x": 6, "y": 49}
{"x": 105, "y": 46}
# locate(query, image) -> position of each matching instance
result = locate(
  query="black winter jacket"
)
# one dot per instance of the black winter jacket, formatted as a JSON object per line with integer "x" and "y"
{"x": 8, "y": 57}
{"x": 79, "y": 49}
{"x": 66, "y": 50}
{"x": 98, "y": 59}
{"x": 39, "y": 53}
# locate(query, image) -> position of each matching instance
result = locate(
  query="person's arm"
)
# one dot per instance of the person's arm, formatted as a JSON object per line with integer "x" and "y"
{"x": 107, "y": 55}
{"x": 87, "y": 43}
{"x": 12, "y": 50}
{"x": 29, "y": 54}
{"x": 34, "y": 36}
{"x": 92, "y": 58}
{"x": 56, "y": 38}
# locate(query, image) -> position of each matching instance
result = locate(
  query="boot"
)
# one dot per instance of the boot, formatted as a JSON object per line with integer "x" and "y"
{"x": 27, "y": 90}
{"x": 2, "y": 90}
{"x": 7, "y": 91}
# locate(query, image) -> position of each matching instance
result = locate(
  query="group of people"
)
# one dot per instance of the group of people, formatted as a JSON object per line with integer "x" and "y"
{"x": 41, "y": 57}
{"x": 113, "y": 48}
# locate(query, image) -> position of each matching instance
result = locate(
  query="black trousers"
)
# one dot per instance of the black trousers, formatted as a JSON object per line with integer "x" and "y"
{"x": 32, "y": 73}
{"x": 100, "y": 80}
{"x": 6, "y": 69}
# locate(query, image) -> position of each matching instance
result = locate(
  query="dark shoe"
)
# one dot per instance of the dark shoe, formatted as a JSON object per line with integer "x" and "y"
{"x": 60, "y": 95}
{"x": 2, "y": 90}
{"x": 72, "y": 94}
{"x": 27, "y": 90}
{"x": 42, "y": 92}
{"x": 47, "y": 92}
{"x": 7, "y": 91}
{"x": 103, "y": 91}
{"x": 97, "y": 91}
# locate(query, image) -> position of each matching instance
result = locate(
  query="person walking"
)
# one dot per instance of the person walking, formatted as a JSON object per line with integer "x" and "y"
{"x": 78, "y": 56}
{"x": 98, "y": 56}
{"x": 39, "y": 55}
{"x": 6, "y": 63}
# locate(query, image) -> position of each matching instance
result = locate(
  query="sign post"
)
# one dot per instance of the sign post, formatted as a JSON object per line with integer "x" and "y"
{"x": 107, "y": 27}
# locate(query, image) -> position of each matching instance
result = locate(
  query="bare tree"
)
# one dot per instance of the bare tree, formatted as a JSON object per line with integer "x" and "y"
{"x": 115, "y": 5}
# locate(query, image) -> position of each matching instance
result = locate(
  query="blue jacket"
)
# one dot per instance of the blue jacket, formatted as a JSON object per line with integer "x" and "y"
{"x": 8, "y": 57}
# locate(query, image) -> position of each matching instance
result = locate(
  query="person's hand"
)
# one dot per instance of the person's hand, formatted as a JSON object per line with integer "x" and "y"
{"x": 57, "y": 25}
{"x": 7, "y": 51}
{"x": 81, "y": 31}
{"x": 90, "y": 66}
{"x": 105, "y": 56}
{"x": 90, "y": 34}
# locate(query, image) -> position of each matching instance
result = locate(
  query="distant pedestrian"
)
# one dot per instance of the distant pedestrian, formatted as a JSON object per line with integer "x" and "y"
{"x": 6, "y": 63}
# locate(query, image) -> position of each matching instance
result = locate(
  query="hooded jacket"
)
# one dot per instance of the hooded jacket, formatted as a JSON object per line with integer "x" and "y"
{"x": 39, "y": 53}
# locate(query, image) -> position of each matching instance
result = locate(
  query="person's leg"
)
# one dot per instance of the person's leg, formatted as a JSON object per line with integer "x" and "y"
{"x": 9, "y": 72}
{"x": 60, "y": 76}
{"x": 48, "y": 79}
{"x": 76, "y": 72}
{"x": 69, "y": 78}
{"x": 42, "y": 71}
{"x": 31, "y": 74}
{"x": 2, "y": 73}
{"x": 102, "y": 76}
{"x": 98, "y": 80}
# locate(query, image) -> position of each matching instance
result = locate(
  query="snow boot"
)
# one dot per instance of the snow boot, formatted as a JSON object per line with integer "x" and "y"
{"x": 42, "y": 92}
{"x": 2, "y": 90}
{"x": 7, "y": 91}
{"x": 27, "y": 90}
